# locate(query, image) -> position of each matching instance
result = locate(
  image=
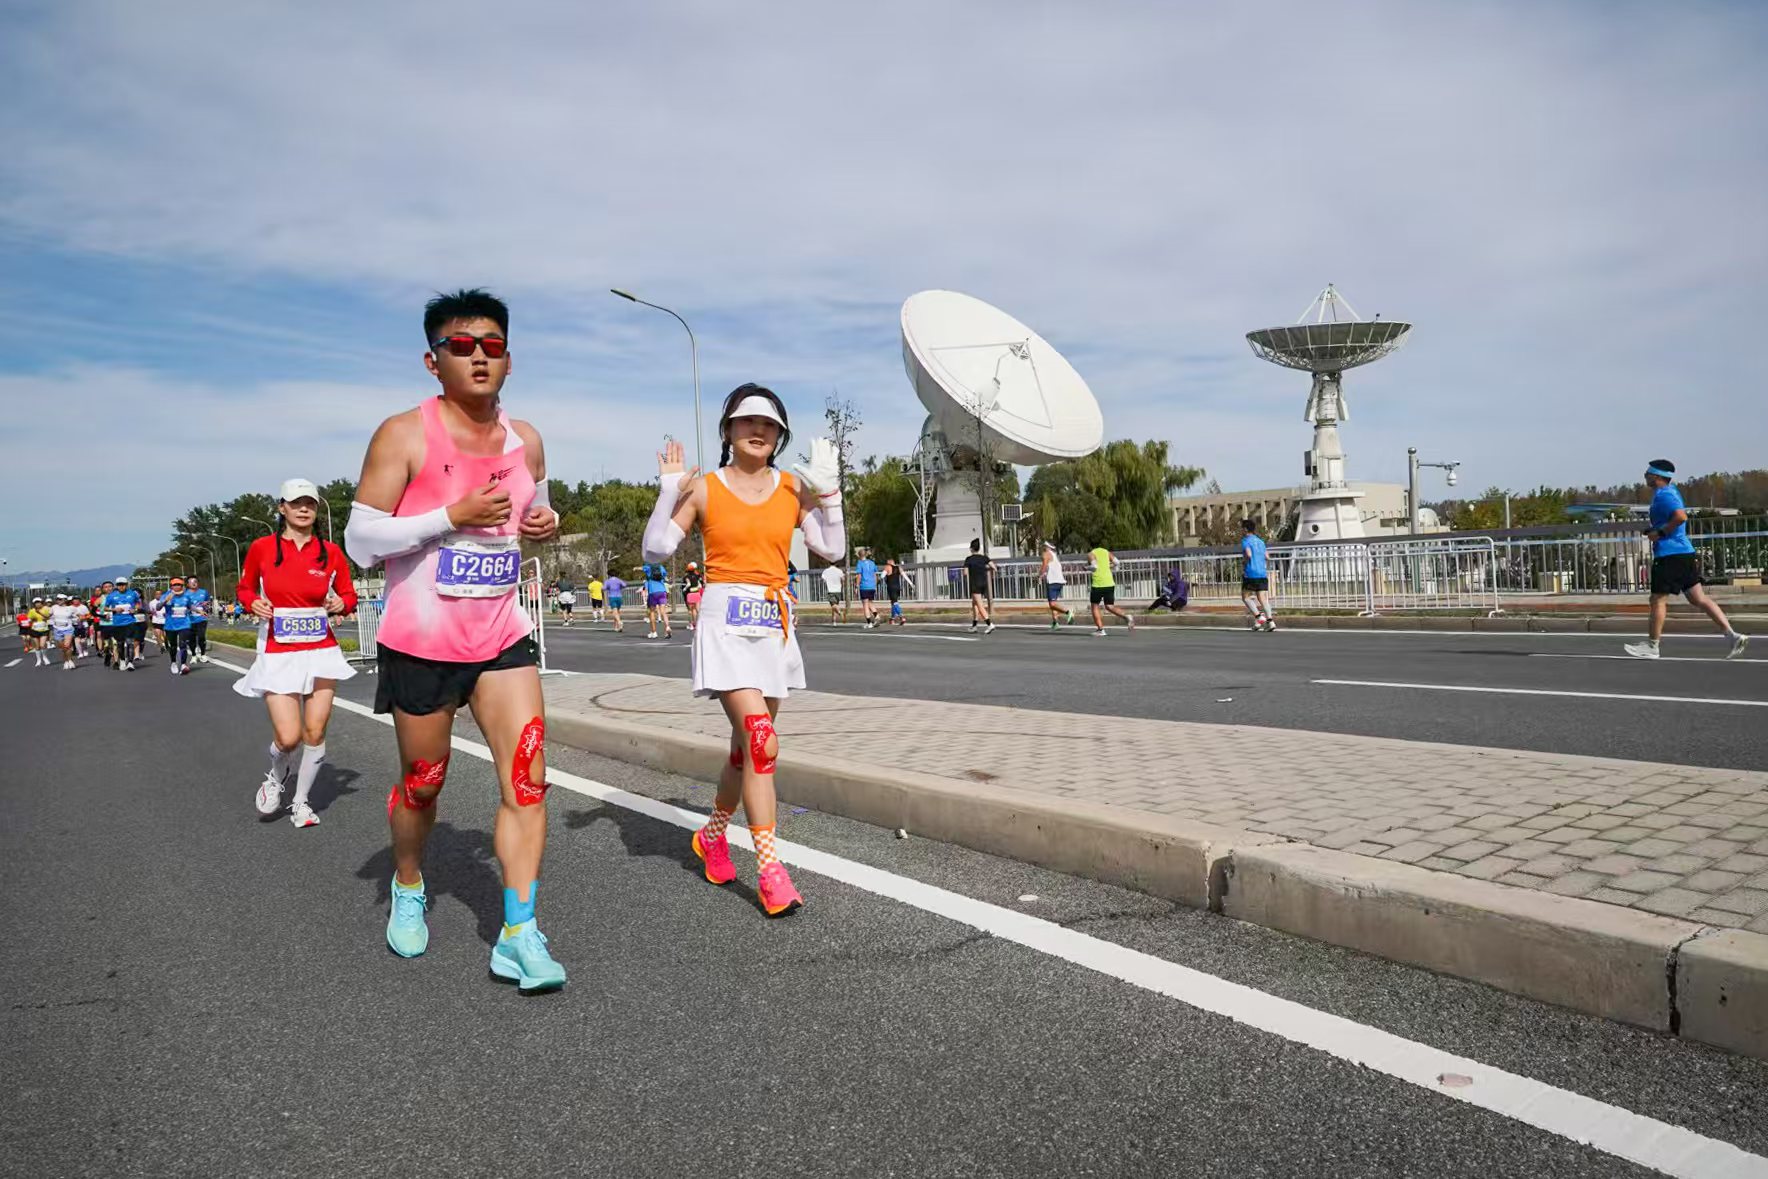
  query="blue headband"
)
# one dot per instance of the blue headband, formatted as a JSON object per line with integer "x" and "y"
{"x": 1661, "y": 473}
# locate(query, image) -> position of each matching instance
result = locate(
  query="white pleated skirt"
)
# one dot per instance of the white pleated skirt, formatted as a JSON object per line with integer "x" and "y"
{"x": 725, "y": 662}
{"x": 292, "y": 672}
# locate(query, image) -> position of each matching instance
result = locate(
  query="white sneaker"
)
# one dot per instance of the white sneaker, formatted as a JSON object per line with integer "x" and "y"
{"x": 989, "y": 630}
{"x": 67, "y": 665}
{"x": 176, "y": 670}
{"x": 1737, "y": 646}
{"x": 652, "y": 635}
{"x": 1098, "y": 632}
{"x": 1642, "y": 650}
{"x": 269, "y": 794}
{"x": 303, "y": 816}
{"x": 203, "y": 658}
{"x": 1131, "y": 619}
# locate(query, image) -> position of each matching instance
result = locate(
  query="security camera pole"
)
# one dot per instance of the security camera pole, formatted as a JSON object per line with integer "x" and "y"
{"x": 1412, "y": 465}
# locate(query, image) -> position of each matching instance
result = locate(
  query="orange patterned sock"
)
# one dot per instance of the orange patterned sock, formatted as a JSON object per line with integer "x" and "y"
{"x": 764, "y": 844}
{"x": 715, "y": 825}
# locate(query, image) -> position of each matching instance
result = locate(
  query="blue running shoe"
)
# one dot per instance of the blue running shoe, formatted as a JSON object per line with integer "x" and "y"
{"x": 407, "y": 934}
{"x": 522, "y": 958}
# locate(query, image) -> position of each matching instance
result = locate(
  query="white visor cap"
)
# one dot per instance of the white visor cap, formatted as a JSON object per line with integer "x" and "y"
{"x": 294, "y": 489}
{"x": 756, "y": 406}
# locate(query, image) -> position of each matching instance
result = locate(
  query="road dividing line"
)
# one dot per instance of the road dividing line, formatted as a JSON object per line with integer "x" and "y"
{"x": 1545, "y": 692}
{"x": 1661, "y": 1146}
{"x": 16, "y": 662}
{"x": 1633, "y": 659}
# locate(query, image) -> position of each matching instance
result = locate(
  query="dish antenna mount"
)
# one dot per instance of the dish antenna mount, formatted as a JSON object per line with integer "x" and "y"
{"x": 995, "y": 392}
{"x": 1328, "y": 338}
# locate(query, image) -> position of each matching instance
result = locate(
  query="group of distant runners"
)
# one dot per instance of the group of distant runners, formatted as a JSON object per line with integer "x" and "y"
{"x": 116, "y": 623}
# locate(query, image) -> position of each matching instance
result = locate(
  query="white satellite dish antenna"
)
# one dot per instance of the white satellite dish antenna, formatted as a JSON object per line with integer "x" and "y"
{"x": 993, "y": 387}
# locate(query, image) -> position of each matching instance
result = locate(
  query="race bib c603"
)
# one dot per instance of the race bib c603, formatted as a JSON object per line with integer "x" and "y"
{"x": 751, "y": 617}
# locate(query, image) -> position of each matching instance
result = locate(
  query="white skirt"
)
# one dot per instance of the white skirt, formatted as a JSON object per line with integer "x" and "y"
{"x": 724, "y": 662}
{"x": 292, "y": 672}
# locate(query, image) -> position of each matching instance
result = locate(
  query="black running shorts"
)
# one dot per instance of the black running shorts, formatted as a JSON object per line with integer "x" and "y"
{"x": 419, "y": 687}
{"x": 1252, "y": 585}
{"x": 1675, "y": 574}
{"x": 1103, "y": 595}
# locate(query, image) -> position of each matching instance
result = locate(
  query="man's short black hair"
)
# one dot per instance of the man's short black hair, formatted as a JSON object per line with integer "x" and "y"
{"x": 1249, "y": 525}
{"x": 465, "y": 304}
{"x": 1663, "y": 465}
{"x": 976, "y": 546}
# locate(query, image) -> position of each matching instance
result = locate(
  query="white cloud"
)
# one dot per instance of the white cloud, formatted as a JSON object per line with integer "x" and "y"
{"x": 1564, "y": 199}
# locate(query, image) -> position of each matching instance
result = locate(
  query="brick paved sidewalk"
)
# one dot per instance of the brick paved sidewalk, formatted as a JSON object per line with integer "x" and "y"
{"x": 1678, "y": 840}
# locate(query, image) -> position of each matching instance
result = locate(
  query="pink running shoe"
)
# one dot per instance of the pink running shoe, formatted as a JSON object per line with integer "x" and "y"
{"x": 716, "y": 855}
{"x": 778, "y": 896}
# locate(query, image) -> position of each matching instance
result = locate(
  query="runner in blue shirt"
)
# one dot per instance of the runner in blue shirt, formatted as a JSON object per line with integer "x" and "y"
{"x": 616, "y": 591}
{"x": 657, "y": 600}
{"x": 176, "y": 603}
{"x": 1255, "y": 579}
{"x": 1675, "y": 569}
{"x": 200, "y": 605}
{"x": 866, "y": 571}
{"x": 127, "y": 623}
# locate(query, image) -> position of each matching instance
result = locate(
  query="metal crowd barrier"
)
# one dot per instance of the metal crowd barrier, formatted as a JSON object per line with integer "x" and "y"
{"x": 531, "y": 593}
{"x": 1434, "y": 573}
{"x": 368, "y": 628}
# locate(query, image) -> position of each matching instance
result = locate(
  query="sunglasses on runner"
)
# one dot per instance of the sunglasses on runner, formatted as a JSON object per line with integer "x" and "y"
{"x": 463, "y": 345}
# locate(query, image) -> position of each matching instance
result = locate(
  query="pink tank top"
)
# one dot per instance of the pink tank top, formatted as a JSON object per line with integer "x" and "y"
{"x": 456, "y": 599}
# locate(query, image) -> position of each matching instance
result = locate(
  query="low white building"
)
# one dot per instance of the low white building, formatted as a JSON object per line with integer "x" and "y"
{"x": 1381, "y": 505}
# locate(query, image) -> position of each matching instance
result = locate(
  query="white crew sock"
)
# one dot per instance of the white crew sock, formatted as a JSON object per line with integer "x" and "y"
{"x": 311, "y": 756}
{"x": 279, "y": 761}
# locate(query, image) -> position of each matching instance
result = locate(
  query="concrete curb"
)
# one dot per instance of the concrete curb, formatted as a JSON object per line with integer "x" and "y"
{"x": 1722, "y": 990}
{"x": 1604, "y": 959}
{"x": 1175, "y": 859}
{"x": 1657, "y": 972}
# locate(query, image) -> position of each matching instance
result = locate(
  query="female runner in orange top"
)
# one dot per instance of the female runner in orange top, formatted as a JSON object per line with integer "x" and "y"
{"x": 745, "y": 650}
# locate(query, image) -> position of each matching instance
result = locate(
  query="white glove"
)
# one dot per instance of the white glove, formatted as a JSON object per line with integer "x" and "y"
{"x": 822, "y": 474}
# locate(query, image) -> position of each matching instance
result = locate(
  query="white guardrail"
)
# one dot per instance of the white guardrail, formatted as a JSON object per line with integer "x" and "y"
{"x": 1426, "y": 573}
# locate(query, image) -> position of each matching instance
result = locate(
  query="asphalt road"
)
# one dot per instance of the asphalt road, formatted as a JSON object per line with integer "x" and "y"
{"x": 192, "y": 990}
{"x": 1274, "y": 680}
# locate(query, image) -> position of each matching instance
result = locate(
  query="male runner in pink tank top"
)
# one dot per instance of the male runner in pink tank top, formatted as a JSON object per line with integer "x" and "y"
{"x": 447, "y": 492}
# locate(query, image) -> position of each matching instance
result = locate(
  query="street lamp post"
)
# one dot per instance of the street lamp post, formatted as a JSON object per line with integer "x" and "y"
{"x": 694, "y": 355}
{"x": 239, "y": 566}
{"x": 328, "y": 528}
{"x": 1412, "y": 465}
{"x": 256, "y": 520}
{"x": 213, "y": 580}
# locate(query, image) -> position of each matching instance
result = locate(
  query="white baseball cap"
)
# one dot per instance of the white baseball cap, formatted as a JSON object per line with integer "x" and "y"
{"x": 294, "y": 489}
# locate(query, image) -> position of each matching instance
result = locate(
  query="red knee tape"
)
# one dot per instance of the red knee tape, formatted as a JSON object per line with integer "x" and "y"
{"x": 528, "y": 747}
{"x": 423, "y": 773}
{"x": 761, "y": 730}
{"x": 737, "y": 758}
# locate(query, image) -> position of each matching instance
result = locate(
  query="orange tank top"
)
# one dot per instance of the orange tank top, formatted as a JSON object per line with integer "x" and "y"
{"x": 749, "y": 543}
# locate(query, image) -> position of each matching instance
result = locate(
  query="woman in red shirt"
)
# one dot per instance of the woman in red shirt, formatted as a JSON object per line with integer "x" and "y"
{"x": 295, "y": 582}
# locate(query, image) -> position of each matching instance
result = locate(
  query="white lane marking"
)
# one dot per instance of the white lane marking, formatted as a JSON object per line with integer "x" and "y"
{"x": 16, "y": 662}
{"x": 1546, "y": 692}
{"x": 1633, "y": 659}
{"x": 802, "y": 631}
{"x": 1647, "y": 1141}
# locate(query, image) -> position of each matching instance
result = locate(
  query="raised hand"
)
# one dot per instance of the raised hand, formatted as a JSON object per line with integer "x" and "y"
{"x": 822, "y": 471}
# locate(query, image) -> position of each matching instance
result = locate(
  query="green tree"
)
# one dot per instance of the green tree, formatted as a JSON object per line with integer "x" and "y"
{"x": 1116, "y": 496}
{"x": 1544, "y": 505}
{"x": 881, "y": 507}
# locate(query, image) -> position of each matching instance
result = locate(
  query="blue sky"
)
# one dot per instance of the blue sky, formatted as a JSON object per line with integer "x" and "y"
{"x": 217, "y": 231}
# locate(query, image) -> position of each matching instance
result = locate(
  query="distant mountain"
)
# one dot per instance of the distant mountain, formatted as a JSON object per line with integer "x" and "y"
{"x": 69, "y": 576}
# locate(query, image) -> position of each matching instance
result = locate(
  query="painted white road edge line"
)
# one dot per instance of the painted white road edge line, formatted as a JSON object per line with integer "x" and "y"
{"x": 1670, "y": 1149}
{"x": 17, "y": 661}
{"x": 1632, "y": 659}
{"x": 1545, "y": 692}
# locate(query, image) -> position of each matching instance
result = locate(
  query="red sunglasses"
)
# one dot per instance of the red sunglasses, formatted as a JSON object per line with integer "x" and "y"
{"x": 464, "y": 345}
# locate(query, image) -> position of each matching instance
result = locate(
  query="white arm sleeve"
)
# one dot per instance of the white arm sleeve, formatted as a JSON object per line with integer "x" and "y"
{"x": 371, "y": 536}
{"x": 543, "y": 496}
{"x": 662, "y": 534}
{"x": 825, "y": 533}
